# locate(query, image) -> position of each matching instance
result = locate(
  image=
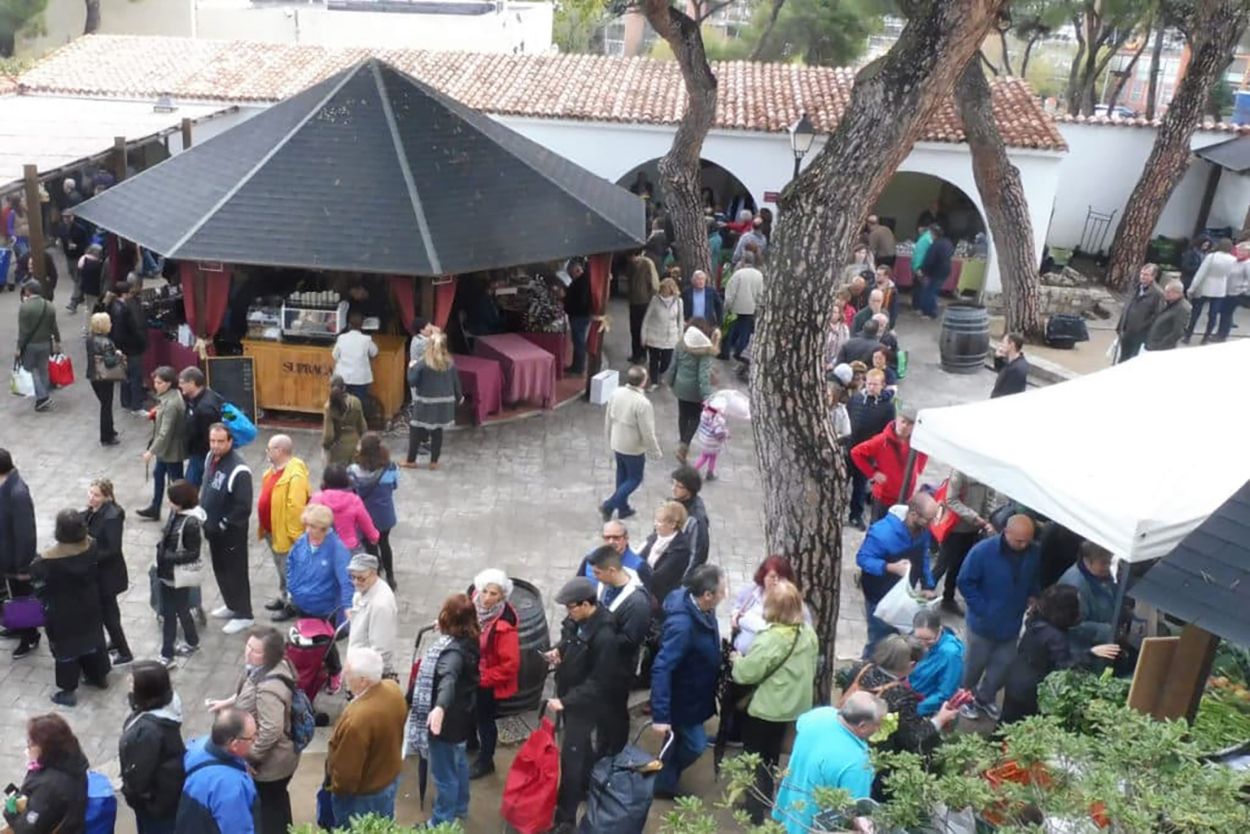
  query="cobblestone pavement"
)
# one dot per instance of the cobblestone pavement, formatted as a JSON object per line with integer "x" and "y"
{"x": 521, "y": 496}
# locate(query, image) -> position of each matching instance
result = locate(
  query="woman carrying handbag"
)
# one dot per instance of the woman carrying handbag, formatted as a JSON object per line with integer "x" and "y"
{"x": 106, "y": 366}
{"x": 177, "y": 557}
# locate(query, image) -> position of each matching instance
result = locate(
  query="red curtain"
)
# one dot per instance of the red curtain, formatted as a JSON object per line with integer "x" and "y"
{"x": 404, "y": 293}
{"x": 444, "y": 297}
{"x": 217, "y": 296}
{"x": 600, "y": 282}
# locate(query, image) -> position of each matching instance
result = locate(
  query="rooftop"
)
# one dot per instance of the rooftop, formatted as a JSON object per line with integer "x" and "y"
{"x": 752, "y": 96}
{"x": 1116, "y": 121}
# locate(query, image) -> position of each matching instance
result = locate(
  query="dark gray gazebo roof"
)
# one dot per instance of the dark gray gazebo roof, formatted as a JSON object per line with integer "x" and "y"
{"x": 370, "y": 171}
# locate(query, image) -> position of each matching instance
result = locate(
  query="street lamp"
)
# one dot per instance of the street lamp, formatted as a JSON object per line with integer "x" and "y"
{"x": 802, "y": 134}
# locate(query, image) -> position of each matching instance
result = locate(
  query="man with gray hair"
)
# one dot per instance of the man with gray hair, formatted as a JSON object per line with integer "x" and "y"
{"x": 374, "y": 614}
{"x": 1140, "y": 309}
{"x": 284, "y": 493}
{"x": 366, "y": 747}
{"x": 830, "y": 751}
{"x": 743, "y": 294}
{"x": 629, "y": 423}
{"x": 1169, "y": 324}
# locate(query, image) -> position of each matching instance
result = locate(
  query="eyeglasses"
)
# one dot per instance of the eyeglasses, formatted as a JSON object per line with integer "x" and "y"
{"x": 607, "y": 537}
{"x": 246, "y": 738}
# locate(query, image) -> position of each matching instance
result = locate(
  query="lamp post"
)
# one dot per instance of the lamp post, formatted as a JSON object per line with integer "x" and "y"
{"x": 802, "y": 134}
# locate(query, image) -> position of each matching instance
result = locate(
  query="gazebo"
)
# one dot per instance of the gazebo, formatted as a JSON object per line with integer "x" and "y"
{"x": 369, "y": 172}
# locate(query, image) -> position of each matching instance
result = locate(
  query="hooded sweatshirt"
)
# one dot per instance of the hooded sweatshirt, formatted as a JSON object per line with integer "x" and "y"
{"x": 691, "y": 373}
{"x": 350, "y": 516}
{"x": 936, "y": 677}
{"x": 887, "y": 541}
{"x": 150, "y": 753}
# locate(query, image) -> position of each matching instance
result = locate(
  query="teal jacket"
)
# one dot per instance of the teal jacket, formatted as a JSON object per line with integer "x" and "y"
{"x": 936, "y": 677}
{"x": 786, "y": 693}
{"x": 921, "y": 249}
{"x": 691, "y": 371}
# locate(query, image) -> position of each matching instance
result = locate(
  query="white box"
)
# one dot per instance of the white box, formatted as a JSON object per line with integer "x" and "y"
{"x": 602, "y": 385}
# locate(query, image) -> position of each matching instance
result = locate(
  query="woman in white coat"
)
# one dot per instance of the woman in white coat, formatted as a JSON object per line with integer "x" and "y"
{"x": 1210, "y": 286}
{"x": 662, "y": 327}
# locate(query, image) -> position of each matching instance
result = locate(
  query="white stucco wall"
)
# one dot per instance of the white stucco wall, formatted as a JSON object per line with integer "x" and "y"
{"x": 1102, "y": 167}
{"x": 763, "y": 162}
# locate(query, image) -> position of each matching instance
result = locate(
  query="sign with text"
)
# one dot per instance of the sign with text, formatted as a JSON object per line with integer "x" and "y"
{"x": 234, "y": 377}
{"x": 772, "y": 196}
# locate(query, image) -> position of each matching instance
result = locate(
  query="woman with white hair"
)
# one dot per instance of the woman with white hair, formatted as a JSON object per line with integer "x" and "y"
{"x": 499, "y": 661}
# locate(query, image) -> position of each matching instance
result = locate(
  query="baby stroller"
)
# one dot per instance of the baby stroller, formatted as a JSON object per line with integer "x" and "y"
{"x": 310, "y": 648}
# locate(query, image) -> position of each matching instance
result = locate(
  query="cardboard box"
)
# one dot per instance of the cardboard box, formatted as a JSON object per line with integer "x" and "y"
{"x": 602, "y": 385}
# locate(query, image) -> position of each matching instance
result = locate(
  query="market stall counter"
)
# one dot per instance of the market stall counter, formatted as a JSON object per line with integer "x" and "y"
{"x": 296, "y": 377}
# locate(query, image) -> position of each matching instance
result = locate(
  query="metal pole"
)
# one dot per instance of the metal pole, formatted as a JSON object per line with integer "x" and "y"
{"x": 905, "y": 493}
{"x": 34, "y": 218}
{"x": 186, "y": 133}
{"x": 119, "y": 157}
{"x": 797, "y": 160}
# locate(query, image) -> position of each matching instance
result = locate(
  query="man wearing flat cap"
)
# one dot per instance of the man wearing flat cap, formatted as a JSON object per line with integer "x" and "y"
{"x": 588, "y": 668}
{"x": 374, "y": 615}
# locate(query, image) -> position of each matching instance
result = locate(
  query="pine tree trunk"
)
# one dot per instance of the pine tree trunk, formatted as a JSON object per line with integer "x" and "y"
{"x": 1156, "y": 57}
{"x": 821, "y": 213}
{"x": 1006, "y": 208}
{"x": 92, "y": 23}
{"x": 680, "y": 168}
{"x": 1217, "y": 26}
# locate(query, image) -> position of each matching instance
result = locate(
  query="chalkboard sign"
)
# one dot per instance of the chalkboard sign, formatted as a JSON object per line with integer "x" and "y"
{"x": 234, "y": 377}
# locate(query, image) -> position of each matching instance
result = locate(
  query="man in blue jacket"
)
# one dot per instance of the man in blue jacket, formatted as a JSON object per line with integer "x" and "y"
{"x": 999, "y": 581}
{"x": 219, "y": 796}
{"x": 616, "y": 534}
{"x": 938, "y": 674}
{"x": 683, "y": 677}
{"x": 935, "y": 268}
{"x": 895, "y": 547}
{"x": 701, "y": 301}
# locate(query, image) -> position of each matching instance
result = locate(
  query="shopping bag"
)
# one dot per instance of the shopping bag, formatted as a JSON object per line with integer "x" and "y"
{"x": 101, "y": 814}
{"x": 1113, "y": 352}
{"x": 325, "y": 809}
{"x": 22, "y": 381}
{"x": 946, "y": 518}
{"x": 898, "y": 607}
{"x": 529, "y": 793}
{"x": 190, "y": 575}
{"x": 21, "y": 613}
{"x": 242, "y": 430}
{"x": 60, "y": 370}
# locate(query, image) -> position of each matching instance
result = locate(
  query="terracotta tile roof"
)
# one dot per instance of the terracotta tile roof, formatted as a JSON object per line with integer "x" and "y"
{"x": 1116, "y": 121}
{"x": 8, "y": 85}
{"x": 753, "y": 96}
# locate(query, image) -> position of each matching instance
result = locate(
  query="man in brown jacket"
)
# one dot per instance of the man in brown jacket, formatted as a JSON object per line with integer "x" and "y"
{"x": 644, "y": 282}
{"x": 366, "y": 748}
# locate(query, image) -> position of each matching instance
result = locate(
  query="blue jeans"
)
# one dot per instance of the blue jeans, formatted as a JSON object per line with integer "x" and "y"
{"x": 929, "y": 295}
{"x": 381, "y": 803}
{"x": 449, "y": 765}
{"x": 579, "y": 326}
{"x": 161, "y": 471}
{"x": 878, "y": 629}
{"x": 195, "y": 470}
{"x": 740, "y": 333}
{"x": 629, "y": 469}
{"x": 132, "y": 393}
{"x": 358, "y": 391}
{"x": 689, "y": 742}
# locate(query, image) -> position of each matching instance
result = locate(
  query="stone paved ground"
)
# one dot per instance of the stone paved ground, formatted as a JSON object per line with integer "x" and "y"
{"x": 520, "y": 496}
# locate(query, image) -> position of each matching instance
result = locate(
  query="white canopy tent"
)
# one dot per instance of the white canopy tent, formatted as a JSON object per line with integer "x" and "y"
{"x": 1133, "y": 457}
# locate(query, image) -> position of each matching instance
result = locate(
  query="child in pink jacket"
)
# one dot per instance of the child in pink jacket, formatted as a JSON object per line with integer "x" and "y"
{"x": 351, "y": 519}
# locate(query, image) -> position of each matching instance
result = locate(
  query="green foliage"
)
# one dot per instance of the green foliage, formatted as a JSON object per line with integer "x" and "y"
{"x": 373, "y": 824}
{"x": 1069, "y": 695}
{"x": 16, "y": 16}
{"x": 578, "y": 25}
{"x": 1220, "y": 101}
{"x": 819, "y": 32}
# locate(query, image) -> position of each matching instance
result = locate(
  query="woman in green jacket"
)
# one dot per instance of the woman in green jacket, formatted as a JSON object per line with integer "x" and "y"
{"x": 781, "y": 664}
{"x": 168, "y": 446}
{"x": 344, "y": 424}
{"x": 691, "y": 377}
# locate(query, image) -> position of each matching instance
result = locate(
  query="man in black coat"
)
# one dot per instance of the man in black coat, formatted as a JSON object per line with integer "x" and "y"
{"x": 686, "y": 486}
{"x": 621, "y": 594}
{"x": 203, "y": 410}
{"x": 588, "y": 669}
{"x": 226, "y": 499}
{"x": 702, "y": 301}
{"x": 579, "y": 306}
{"x": 936, "y": 269}
{"x": 861, "y": 348}
{"x": 870, "y": 410}
{"x": 17, "y": 544}
{"x": 130, "y": 335}
{"x": 1012, "y": 367}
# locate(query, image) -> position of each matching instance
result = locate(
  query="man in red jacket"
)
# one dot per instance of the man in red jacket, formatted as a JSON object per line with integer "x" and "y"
{"x": 883, "y": 460}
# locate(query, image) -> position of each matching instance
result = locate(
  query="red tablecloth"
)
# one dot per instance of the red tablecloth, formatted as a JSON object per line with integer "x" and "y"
{"x": 529, "y": 372}
{"x": 165, "y": 351}
{"x": 482, "y": 382}
{"x": 903, "y": 276}
{"x": 557, "y": 344}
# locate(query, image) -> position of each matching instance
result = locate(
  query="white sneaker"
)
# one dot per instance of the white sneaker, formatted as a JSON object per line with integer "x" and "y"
{"x": 223, "y": 613}
{"x": 237, "y": 625}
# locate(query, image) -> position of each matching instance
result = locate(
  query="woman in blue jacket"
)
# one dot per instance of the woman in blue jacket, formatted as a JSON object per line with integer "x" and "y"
{"x": 316, "y": 567}
{"x": 937, "y": 675}
{"x": 375, "y": 478}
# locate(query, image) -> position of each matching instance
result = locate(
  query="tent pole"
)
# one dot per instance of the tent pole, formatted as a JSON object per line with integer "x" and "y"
{"x": 905, "y": 493}
{"x": 34, "y": 218}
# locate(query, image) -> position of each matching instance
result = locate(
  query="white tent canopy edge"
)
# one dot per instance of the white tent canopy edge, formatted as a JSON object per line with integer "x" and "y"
{"x": 1133, "y": 457}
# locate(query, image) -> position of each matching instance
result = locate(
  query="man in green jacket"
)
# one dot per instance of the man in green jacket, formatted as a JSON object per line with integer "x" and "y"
{"x": 38, "y": 337}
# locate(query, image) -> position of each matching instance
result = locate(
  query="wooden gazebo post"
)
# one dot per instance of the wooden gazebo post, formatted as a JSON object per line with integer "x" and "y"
{"x": 34, "y": 218}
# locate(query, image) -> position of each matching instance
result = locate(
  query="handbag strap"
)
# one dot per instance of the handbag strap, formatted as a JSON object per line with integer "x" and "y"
{"x": 798, "y": 630}
{"x": 43, "y": 313}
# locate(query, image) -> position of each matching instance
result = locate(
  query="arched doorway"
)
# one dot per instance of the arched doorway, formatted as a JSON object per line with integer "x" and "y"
{"x": 723, "y": 191}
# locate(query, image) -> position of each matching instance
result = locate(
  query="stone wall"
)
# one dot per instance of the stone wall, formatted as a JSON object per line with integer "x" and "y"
{"x": 1068, "y": 292}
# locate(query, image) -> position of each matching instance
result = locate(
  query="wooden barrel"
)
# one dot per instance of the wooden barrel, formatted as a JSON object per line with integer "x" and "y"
{"x": 965, "y": 338}
{"x": 534, "y": 639}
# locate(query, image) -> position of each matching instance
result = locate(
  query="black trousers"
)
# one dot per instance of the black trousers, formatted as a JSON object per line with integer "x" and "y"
{"x": 229, "y": 555}
{"x": 94, "y": 667}
{"x": 104, "y": 393}
{"x": 382, "y": 550}
{"x": 176, "y": 608}
{"x": 954, "y": 549}
{"x": 113, "y": 623}
{"x": 275, "y": 806}
{"x": 764, "y": 738}
{"x": 637, "y": 312}
{"x": 487, "y": 731}
{"x": 418, "y": 435}
{"x": 577, "y": 756}
{"x": 658, "y": 360}
{"x": 688, "y": 414}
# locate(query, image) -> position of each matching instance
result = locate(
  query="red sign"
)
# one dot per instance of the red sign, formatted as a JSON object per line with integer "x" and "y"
{"x": 772, "y": 196}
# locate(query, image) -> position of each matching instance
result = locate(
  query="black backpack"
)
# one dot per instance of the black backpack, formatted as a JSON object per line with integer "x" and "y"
{"x": 1064, "y": 330}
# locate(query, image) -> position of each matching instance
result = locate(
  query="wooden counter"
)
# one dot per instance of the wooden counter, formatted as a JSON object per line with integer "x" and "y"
{"x": 296, "y": 377}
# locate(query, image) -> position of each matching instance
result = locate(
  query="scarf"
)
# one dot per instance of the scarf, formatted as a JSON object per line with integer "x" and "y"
{"x": 485, "y": 618}
{"x": 418, "y": 734}
{"x": 1103, "y": 587}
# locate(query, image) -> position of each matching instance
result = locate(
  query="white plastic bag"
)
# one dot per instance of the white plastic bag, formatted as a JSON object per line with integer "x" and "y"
{"x": 22, "y": 382}
{"x": 898, "y": 607}
{"x": 1113, "y": 352}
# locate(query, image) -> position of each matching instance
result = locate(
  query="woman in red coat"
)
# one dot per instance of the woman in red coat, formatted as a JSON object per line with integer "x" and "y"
{"x": 500, "y": 660}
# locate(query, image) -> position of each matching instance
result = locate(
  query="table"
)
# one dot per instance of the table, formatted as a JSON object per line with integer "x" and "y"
{"x": 529, "y": 372}
{"x": 163, "y": 350}
{"x": 559, "y": 345}
{"x": 481, "y": 379}
{"x": 296, "y": 376}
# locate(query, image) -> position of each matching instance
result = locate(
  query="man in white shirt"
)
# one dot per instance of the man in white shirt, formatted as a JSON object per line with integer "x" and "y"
{"x": 352, "y": 351}
{"x": 374, "y": 615}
